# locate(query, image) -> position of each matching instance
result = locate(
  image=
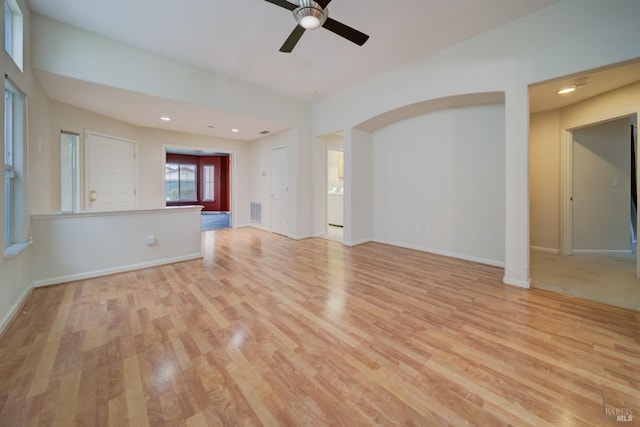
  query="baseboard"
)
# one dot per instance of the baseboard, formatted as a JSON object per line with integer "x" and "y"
{"x": 479, "y": 260}
{"x": 290, "y": 236}
{"x": 545, "y": 250}
{"x": 114, "y": 270}
{"x": 256, "y": 226}
{"x": 602, "y": 252}
{"x": 357, "y": 242}
{"x": 8, "y": 319}
{"x": 302, "y": 237}
{"x": 517, "y": 282}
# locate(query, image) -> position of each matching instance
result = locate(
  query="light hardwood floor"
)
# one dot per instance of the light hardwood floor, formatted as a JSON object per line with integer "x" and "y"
{"x": 267, "y": 330}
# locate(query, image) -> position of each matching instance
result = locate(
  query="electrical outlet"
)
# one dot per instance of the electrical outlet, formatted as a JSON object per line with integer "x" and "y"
{"x": 418, "y": 229}
{"x": 427, "y": 229}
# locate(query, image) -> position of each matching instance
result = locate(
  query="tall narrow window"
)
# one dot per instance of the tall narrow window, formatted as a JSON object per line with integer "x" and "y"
{"x": 208, "y": 190}
{"x": 13, "y": 149}
{"x": 69, "y": 172}
{"x": 180, "y": 182}
{"x": 8, "y": 29}
{"x": 13, "y": 37}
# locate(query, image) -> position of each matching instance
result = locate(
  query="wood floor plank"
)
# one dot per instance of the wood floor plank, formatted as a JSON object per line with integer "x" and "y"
{"x": 264, "y": 330}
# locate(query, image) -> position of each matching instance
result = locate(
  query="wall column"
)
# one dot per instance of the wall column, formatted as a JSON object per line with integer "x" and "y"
{"x": 358, "y": 194}
{"x": 516, "y": 270}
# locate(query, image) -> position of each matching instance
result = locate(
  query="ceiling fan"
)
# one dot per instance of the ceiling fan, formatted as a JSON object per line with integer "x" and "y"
{"x": 312, "y": 14}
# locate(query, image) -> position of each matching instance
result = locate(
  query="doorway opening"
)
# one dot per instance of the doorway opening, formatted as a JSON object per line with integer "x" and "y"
{"x": 601, "y": 198}
{"x": 198, "y": 177}
{"x": 598, "y": 257}
{"x": 335, "y": 194}
{"x": 583, "y": 223}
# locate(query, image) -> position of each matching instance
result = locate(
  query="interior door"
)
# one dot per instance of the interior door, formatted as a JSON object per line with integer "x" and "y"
{"x": 110, "y": 173}
{"x": 280, "y": 191}
{"x": 601, "y": 188}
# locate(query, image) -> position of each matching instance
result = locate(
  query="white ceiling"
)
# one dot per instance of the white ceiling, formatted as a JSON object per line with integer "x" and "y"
{"x": 241, "y": 38}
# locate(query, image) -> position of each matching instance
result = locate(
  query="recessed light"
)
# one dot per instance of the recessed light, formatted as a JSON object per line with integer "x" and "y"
{"x": 579, "y": 83}
{"x": 234, "y": 130}
{"x": 165, "y": 118}
{"x": 567, "y": 89}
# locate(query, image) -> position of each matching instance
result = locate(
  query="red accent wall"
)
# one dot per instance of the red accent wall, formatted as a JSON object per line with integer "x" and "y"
{"x": 221, "y": 186}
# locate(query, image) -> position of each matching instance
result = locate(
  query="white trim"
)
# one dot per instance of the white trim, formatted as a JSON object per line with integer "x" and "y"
{"x": 256, "y": 226}
{"x": 545, "y": 250}
{"x": 114, "y": 270}
{"x": 362, "y": 241}
{"x": 566, "y": 192}
{"x": 302, "y": 237}
{"x": 602, "y": 252}
{"x": 13, "y": 311}
{"x": 86, "y": 214}
{"x": 517, "y": 282}
{"x": 479, "y": 260}
{"x": 16, "y": 248}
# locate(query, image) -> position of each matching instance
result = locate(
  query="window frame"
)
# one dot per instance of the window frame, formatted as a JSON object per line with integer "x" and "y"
{"x": 69, "y": 172}
{"x": 13, "y": 32}
{"x": 13, "y": 160}
{"x": 208, "y": 185}
{"x": 178, "y": 167}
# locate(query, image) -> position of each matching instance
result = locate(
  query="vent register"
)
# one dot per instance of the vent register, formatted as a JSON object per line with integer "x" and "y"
{"x": 256, "y": 212}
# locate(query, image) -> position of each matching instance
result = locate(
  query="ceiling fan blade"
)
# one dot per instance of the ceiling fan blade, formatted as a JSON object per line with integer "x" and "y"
{"x": 283, "y": 3}
{"x": 346, "y": 31}
{"x": 291, "y": 42}
{"x": 323, "y": 3}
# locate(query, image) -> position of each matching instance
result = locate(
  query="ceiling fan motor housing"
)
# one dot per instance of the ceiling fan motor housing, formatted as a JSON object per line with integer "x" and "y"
{"x": 310, "y": 11}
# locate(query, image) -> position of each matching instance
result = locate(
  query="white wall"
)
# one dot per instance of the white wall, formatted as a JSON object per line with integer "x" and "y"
{"x": 358, "y": 191}
{"x": 544, "y": 180}
{"x": 72, "y": 52}
{"x": 16, "y": 272}
{"x": 259, "y": 174}
{"x": 76, "y": 246}
{"x": 439, "y": 183}
{"x": 507, "y": 59}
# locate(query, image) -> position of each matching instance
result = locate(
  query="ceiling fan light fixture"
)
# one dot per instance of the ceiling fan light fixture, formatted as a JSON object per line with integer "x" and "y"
{"x": 309, "y": 14}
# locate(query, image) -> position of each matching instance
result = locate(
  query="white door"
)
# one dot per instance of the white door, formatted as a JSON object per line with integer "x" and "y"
{"x": 601, "y": 188}
{"x": 110, "y": 173}
{"x": 280, "y": 191}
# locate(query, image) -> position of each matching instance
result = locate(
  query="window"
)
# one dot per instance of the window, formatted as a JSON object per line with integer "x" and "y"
{"x": 180, "y": 182}
{"x": 69, "y": 174}
{"x": 13, "y": 42}
{"x": 13, "y": 182}
{"x": 208, "y": 190}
